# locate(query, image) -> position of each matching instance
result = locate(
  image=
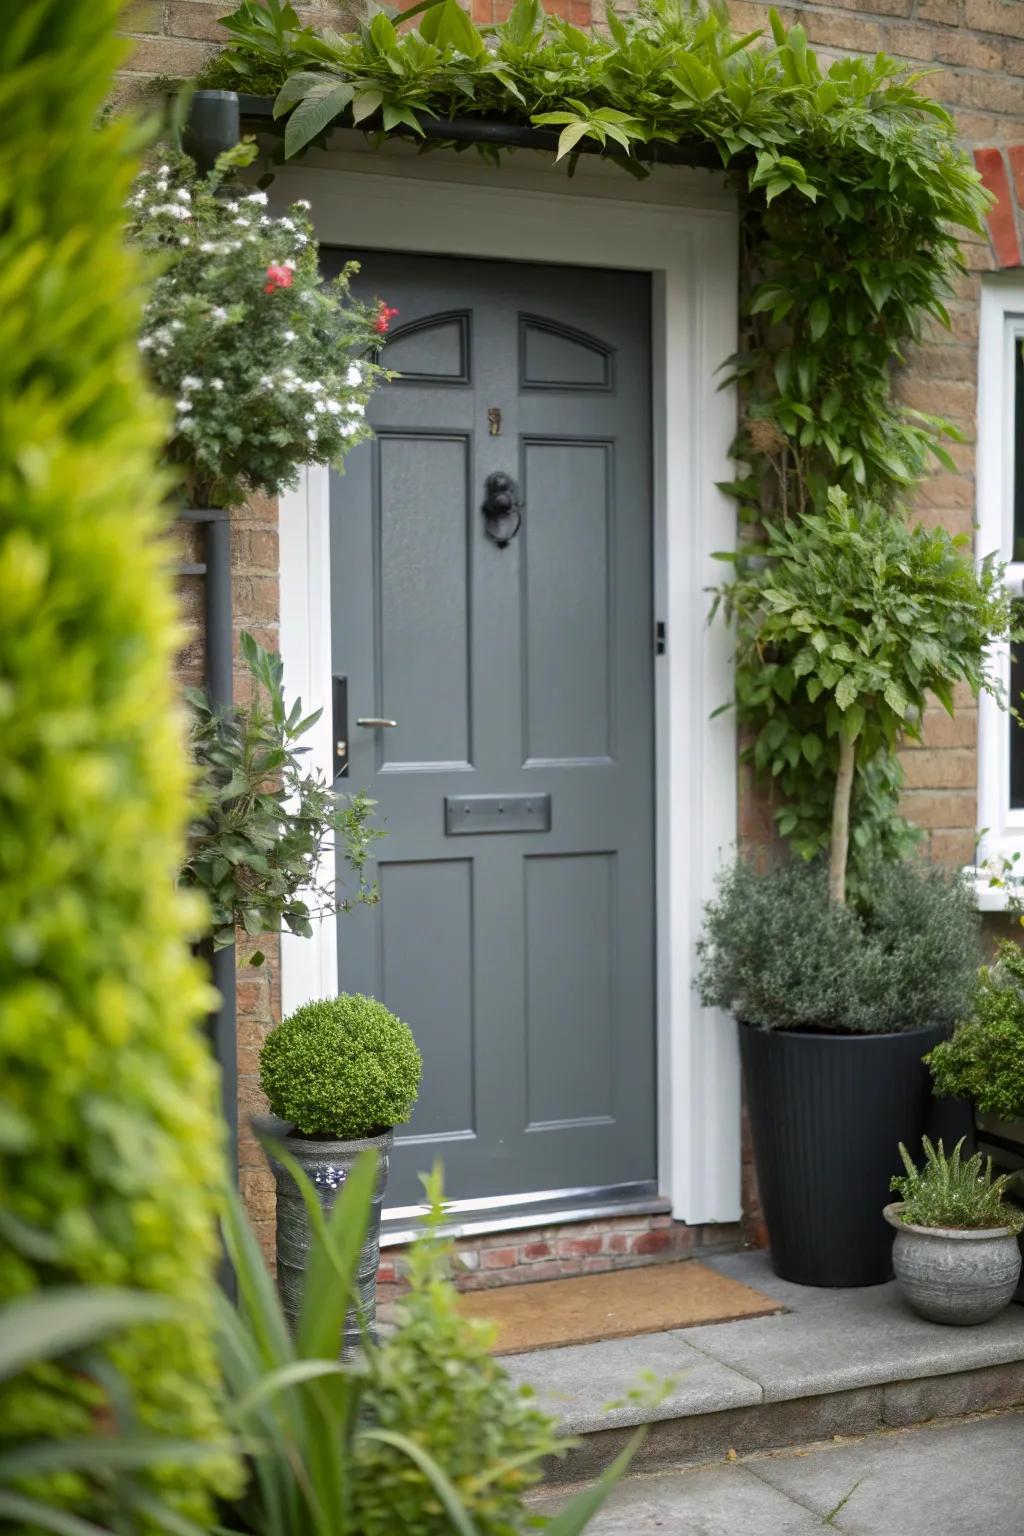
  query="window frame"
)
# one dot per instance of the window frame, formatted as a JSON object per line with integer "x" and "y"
{"x": 1000, "y": 825}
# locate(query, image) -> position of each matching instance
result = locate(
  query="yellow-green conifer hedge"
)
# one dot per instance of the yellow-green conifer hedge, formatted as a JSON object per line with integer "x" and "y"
{"x": 109, "y": 1144}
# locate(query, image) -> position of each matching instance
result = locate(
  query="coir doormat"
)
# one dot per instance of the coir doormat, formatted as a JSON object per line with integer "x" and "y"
{"x": 551, "y": 1313}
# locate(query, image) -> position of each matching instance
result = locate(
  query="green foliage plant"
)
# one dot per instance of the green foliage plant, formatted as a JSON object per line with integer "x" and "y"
{"x": 331, "y": 1442}
{"x": 268, "y": 368}
{"x": 341, "y": 1068}
{"x": 435, "y": 1380}
{"x": 778, "y": 954}
{"x": 984, "y": 1060}
{"x": 853, "y": 192}
{"x": 263, "y": 821}
{"x": 110, "y": 1148}
{"x": 846, "y": 621}
{"x": 954, "y": 1191}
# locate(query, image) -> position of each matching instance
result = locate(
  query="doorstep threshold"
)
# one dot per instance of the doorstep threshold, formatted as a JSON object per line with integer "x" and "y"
{"x": 520, "y": 1213}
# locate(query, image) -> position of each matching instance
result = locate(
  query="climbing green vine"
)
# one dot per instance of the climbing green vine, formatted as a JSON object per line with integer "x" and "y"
{"x": 852, "y": 188}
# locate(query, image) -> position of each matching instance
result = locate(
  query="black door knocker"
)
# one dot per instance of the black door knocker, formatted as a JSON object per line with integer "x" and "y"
{"x": 502, "y": 509}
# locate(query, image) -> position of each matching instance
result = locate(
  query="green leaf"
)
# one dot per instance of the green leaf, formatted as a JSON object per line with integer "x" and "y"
{"x": 447, "y": 25}
{"x": 366, "y": 104}
{"x": 846, "y": 691}
{"x": 577, "y": 1515}
{"x": 312, "y": 116}
{"x": 818, "y": 316}
{"x": 570, "y": 136}
{"x": 63, "y": 1319}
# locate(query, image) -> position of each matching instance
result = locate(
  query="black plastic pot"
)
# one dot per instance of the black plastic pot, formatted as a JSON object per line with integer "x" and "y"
{"x": 827, "y": 1114}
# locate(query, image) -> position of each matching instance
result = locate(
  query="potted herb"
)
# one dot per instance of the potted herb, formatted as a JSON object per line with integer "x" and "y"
{"x": 955, "y": 1254}
{"x": 339, "y": 1075}
{"x": 837, "y": 1004}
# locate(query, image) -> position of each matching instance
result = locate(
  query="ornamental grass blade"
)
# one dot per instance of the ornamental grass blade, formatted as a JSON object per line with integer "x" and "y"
{"x": 257, "y": 1293}
{"x": 91, "y": 1453}
{"x": 55, "y": 1322}
{"x": 31, "y": 1514}
{"x": 575, "y": 1517}
{"x": 454, "y": 1508}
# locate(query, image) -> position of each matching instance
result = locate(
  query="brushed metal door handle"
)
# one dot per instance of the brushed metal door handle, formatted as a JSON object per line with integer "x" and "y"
{"x": 374, "y": 723}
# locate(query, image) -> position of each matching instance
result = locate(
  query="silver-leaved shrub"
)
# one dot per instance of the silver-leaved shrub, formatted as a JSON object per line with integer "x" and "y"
{"x": 267, "y": 366}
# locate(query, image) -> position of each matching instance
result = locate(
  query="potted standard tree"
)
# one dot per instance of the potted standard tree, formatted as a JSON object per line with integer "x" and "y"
{"x": 955, "y": 1254}
{"x": 846, "y": 621}
{"x": 339, "y": 1075}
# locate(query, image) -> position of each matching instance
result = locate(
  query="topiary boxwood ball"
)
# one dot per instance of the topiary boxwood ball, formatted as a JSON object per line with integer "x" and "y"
{"x": 342, "y": 1068}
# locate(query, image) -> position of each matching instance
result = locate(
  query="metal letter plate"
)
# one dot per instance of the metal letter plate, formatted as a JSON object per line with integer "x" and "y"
{"x": 468, "y": 814}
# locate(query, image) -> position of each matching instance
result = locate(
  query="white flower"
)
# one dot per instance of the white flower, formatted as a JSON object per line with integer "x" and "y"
{"x": 217, "y": 384}
{"x": 145, "y": 343}
{"x": 176, "y": 325}
{"x": 184, "y": 240}
{"x": 190, "y": 382}
{"x": 357, "y": 407}
{"x": 354, "y": 376}
{"x": 288, "y": 224}
{"x": 207, "y": 247}
{"x": 301, "y": 202}
{"x": 333, "y": 406}
{"x": 164, "y": 170}
{"x": 312, "y": 435}
{"x": 183, "y": 407}
{"x": 256, "y": 197}
{"x": 183, "y": 195}
{"x": 244, "y": 223}
{"x": 289, "y": 264}
{"x": 172, "y": 210}
{"x": 288, "y": 336}
{"x": 348, "y": 428}
{"x": 218, "y": 313}
{"x": 309, "y": 416}
{"x": 320, "y": 406}
{"x": 266, "y": 382}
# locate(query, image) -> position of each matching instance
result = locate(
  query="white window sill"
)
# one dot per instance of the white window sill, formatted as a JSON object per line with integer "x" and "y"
{"x": 989, "y": 897}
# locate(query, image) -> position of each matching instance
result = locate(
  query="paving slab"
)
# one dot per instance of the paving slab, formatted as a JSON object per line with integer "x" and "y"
{"x": 931, "y": 1481}
{"x": 833, "y": 1341}
{"x": 709, "y": 1501}
{"x": 576, "y": 1384}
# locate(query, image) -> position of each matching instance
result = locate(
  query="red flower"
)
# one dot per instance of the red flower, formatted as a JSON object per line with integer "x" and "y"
{"x": 278, "y": 277}
{"x": 385, "y": 315}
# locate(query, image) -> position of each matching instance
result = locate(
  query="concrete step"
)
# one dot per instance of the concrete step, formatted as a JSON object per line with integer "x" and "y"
{"x": 937, "y": 1479}
{"x": 834, "y": 1363}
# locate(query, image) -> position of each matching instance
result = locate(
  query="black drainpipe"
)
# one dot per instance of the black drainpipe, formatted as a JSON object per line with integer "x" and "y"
{"x": 215, "y": 569}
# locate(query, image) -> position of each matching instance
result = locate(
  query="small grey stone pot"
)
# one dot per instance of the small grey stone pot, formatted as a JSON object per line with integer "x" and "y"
{"x": 327, "y": 1164}
{"x": 954, "y": 1275}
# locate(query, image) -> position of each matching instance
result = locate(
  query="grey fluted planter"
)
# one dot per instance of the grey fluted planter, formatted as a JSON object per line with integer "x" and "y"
{"x": 952, "y": 1275}
{"x": 327, "y": 1164}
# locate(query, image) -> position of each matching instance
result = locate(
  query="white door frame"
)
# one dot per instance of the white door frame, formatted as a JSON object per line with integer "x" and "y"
{"x": 682, "y": 227}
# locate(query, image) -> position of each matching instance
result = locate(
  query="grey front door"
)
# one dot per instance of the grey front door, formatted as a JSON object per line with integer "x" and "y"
{"x": 514, "y": 933}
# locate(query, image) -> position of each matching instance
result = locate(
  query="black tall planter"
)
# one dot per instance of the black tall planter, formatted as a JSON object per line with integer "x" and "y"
{"x": 827, "y": 1113}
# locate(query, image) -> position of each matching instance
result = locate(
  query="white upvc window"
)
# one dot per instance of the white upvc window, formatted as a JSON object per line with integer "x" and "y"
{"x": 1000, "y": 488}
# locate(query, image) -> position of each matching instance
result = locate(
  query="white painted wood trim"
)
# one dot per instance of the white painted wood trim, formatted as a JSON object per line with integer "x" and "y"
{"x": 1000, "y": 827}
{"x": 309, "y": 967}
{"x": 684, "y": 230}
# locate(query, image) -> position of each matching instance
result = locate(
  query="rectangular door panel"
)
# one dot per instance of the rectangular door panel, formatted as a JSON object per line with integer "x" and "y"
{"x": 570, "y": 989}
{"x": 567, "y": 625}
{"x": 423, "y": 598}
{"x": 426, "y": 920}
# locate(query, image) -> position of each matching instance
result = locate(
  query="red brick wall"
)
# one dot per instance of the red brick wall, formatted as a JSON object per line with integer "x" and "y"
{"x": 254, "y": 593}
{"x": 581, "y": 1248}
